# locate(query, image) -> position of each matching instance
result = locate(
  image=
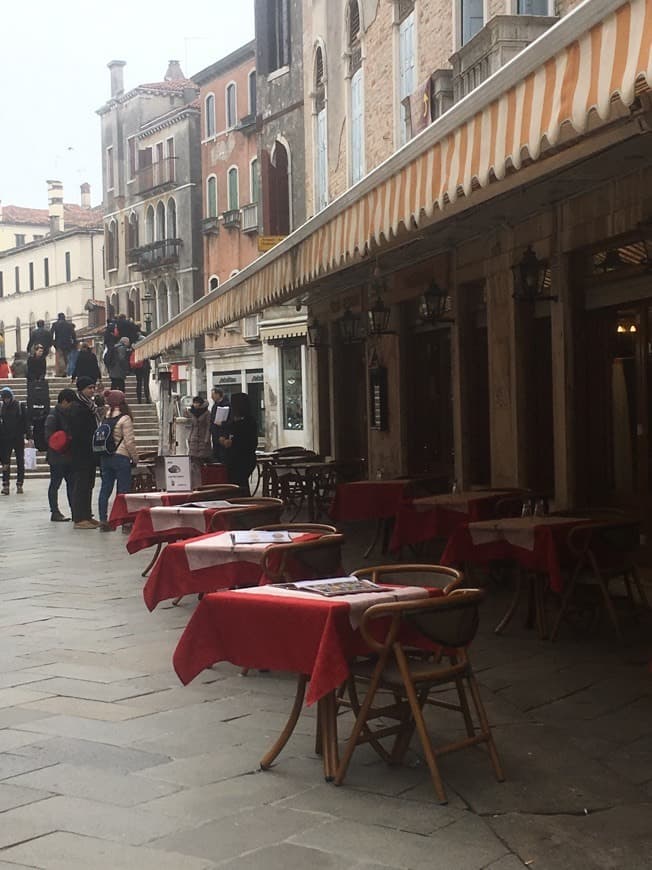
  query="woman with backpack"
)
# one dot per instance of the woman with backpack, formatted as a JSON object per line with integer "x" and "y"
{"x": 119, "y": 451}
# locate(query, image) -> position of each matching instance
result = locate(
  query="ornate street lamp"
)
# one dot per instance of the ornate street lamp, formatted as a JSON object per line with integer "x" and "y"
{"x": 379, "y": 313}
{"x": 350, "y": 327}
{"x": 148, "y": 307}
{"x": 531, "y": 278}
{"x": 434, "y": 304}
{"x": 316, "y": 334}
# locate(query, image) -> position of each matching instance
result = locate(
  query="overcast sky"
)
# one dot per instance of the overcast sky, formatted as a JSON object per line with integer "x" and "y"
{"x": 54, "y": 77}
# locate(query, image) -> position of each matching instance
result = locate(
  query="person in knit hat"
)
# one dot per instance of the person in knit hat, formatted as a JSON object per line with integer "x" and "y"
{"x": 85, "y": 416}
{"x": 13, "y": 431}
{"x": 116, "y": 466}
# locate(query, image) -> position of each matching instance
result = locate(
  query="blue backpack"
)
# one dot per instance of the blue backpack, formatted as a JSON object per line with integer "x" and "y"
{"x": 103, "y": 440}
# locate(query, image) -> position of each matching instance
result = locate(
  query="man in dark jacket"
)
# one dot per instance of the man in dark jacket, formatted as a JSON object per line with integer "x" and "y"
{"x": 13, "y": 430}
{"x": 84, "y": 419}
{"x": 119, "y": 365}
{"x": 87, "y": 365}
{"x": 60, "y": 461}
{"x": 63, "y": 338}
{"x": 41, "y": 336}
{"x": 127, "y": 329}
{"x": 217, "y": 421}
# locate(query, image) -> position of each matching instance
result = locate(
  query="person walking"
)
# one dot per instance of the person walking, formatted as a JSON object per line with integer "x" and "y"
{"x": 36, "y": 364}
{"x": 59, "y": 455}
{"x": 118, "y": 364}
{"x": 41, "y": 336}
{"x": 122, "y": 453}
{"x": 63, "y": 338}
{"x": 240, "y": 442}
{"x": 85, "y": 417}
{"x": 87, "y": 365}
{"x": 142, "y": 371}
{"x": 218, "y": 419}
{"x": 14, "y": 429}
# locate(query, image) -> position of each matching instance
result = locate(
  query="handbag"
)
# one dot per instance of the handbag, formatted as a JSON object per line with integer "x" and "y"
{"x": 59, "y": 441}
{"x": 30, "y": 458}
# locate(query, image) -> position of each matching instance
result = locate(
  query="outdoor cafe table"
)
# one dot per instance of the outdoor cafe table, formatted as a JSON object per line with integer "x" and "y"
{"x": 126, "y": 506}
{"x": 206, "y": 564}
{"x": 164, "y": 525}
{"x": 284, "y": 630}
{"x": 437, "y": 516}
{"x": 368, "y": 500}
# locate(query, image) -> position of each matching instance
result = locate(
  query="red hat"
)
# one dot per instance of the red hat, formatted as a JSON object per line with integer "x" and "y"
{"x": 59, "y": 441}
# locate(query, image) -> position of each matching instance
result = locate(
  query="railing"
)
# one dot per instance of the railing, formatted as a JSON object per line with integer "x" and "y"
{"x": 232, "y": 218}
{"x": 156, "y": 175}
{"x": 155, "y": 254}
{"x": 250, "y": 218}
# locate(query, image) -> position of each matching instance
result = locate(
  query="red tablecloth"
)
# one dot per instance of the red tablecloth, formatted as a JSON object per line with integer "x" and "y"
{"x": 295, "y": 635}
{"x": 177, "y": 572}
{"x": 424, "y": 518}
{"x": 548, "y": 555}
{"x": 367, "y": 500}
{"x": 213, "y": 474}
{"x": 126, "y": 506}
{"x": 164, "y": 525}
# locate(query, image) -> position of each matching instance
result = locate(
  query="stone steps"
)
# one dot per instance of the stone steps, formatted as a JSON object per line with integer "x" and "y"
{"x": 146, "y": 427}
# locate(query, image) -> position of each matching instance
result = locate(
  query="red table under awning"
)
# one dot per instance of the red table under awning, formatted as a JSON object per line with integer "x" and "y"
{"x": 312, "y": 636}
{"x": 165, "y": 525}
{"x": 368, "y": 500}
{"x": 126, "y": 505}
{"x": 543, "y": 544}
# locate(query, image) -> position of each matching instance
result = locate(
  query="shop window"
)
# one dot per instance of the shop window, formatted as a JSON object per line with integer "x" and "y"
{"x": 292, "y": 387}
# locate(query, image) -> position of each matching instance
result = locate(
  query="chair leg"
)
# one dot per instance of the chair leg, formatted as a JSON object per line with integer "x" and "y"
{"x": 565, "y": 601}
{"x": 639, "y": 588}
{"x": 360, "y": 722}
{"x": 609, "y": 606}
{"x": 485, "y": 726}
{"x": 420, "y": 724}
{"x": 464, "y": 704}
{"x": 540, "y": 605}
{"x": 267, "y": 760}
{"x": 513, "y": 604}
{"x": 154, "y": 558}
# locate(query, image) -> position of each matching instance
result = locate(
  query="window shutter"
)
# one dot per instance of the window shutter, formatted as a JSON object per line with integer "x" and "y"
{"x": 357, "y": 134}
{"x": 322, "y": 172}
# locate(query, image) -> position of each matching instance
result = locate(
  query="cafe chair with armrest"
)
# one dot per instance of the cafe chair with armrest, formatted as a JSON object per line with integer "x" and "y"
{"x": 450, "y": 621}
{"x": 241, "y": 518}
{"x": 254, "y": 501}
{"x": 317, "y": 559}
{"x": 317, "y": 528}
{"x": 604, "y": 552}
{"x": 413, "y": 574}
{"x": 214, "y": 491}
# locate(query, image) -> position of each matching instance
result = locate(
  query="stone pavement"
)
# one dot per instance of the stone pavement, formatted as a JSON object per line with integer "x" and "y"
{"x": 106, "y": 761}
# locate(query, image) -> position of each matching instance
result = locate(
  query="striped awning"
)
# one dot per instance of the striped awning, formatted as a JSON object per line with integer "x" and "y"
{"x": 598, "y": 54}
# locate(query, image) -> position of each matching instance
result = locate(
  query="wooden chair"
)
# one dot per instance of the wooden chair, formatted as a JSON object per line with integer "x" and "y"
{"x": 215, "y": 491}
{"x": 604, "y": 551}
{"x": 317, "y": 528}
{"x": 413, "y": 574}
{"x": 304, "y": 560}
{"x": 450, "y": 621}
{"x": 240, "y": 518}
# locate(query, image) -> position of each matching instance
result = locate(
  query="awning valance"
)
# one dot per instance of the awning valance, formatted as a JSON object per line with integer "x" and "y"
{"x": 600, "y": 52}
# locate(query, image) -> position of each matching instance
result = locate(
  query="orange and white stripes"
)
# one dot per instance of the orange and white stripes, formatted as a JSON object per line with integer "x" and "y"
{"x": 585, "y": 77}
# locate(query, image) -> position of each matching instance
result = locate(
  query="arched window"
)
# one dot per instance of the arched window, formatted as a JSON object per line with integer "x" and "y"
{"x": 356, "y": 92}
{"x": 151, "y": 306}
{"x": 111, "y": 245}
{"x": 234, "y": 273}
{"x": 160, "y": 222}
{"x": 234, "y": 196}
{"x": 132, "y": 232}
{"x": 162, "y": 303}
{"x": 279, "y": 191}
{"x": 211, "y": 197}
{"x": 231, "y": 106}
{"x": 172, "y": 219}
{"x": 252, "y": 92}
{"x": 209, "y": 116}
{"x": 114, "y": 306}
{"x": 320, "y": 133}
{"x": 214, "y": 283}
{"x": 149, "y": 225}
{"x": 253, "y": 180}
{"x": 174, "y": 299}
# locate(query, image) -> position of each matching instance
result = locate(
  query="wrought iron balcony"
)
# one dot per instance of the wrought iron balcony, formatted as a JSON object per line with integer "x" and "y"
{"x": 157, "y": 176}
{"x": 155, "y": 254}
{"x": 250, "y": 218}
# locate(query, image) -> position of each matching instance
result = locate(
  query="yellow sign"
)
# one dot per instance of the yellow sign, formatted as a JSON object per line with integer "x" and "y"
{"x": 266, "y": 243}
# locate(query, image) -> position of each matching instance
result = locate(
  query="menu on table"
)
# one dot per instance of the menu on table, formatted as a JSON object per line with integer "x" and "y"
{"x": 334, "y": 586}
{"x": 262, "y": 537}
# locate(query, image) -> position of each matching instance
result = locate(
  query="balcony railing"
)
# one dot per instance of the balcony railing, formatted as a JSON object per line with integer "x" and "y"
{"x": 159, "y": 175}
{"x": 155, "y": 254}
{"x": 250, "y": 218}
{"x": 232, "y": 218}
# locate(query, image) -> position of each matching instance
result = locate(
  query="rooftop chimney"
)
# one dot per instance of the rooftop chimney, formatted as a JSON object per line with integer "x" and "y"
{"x": 85, "y": 195}
{"x": 55, "y": 206}
{"x": 117, "y": 77}
{"x": 174, "y": 72}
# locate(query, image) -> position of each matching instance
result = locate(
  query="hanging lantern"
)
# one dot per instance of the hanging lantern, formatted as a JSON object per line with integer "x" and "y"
{"x": 316, "y": 334}
{"x": 531, "y": 278}
{"x": 379, "y": 313}
{"x": 350, "y": 327}
{"x": 434, "y": 304}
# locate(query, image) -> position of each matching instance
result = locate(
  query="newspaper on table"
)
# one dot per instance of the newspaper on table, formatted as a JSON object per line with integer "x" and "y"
{"x": 262, "y": 537}
{"x": 335, "y": 586}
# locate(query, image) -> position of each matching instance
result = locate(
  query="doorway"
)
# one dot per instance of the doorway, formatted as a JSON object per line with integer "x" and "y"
{"x": 350, "y": 401}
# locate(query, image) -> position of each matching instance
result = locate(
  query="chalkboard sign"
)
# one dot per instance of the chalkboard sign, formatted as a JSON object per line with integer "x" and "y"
{"x": 378, "y": 398}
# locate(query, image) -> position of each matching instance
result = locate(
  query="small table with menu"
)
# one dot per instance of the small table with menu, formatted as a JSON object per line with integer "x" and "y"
{"x": 126, "y": 505}
{"x": 291, "y": 630}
